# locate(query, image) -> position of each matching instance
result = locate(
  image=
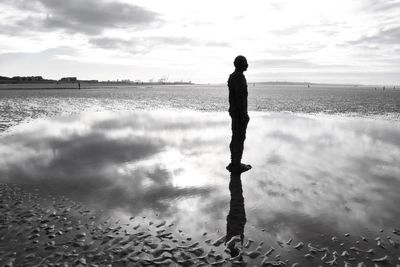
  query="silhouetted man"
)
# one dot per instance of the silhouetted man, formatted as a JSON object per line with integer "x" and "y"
{"x": 238, "y": 111}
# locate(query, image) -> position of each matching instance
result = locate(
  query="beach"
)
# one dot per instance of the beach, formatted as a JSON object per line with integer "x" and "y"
{"x": 126, "y": 179}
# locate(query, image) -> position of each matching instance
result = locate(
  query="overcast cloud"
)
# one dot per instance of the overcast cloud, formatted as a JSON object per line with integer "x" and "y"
{"x": 75, "y": 16}
{"x": 382, "y": 37}
{"x": 198, "y": 40}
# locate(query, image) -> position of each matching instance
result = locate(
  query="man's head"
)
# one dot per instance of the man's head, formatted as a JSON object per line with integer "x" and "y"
{"x": 240, "y": 63}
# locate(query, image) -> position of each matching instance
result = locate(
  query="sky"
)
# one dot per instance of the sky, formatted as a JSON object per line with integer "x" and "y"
{"x": 328, "y": 41}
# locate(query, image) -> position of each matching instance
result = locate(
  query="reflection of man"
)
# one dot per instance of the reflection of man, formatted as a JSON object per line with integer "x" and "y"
{"x": 238, "y": 111}
{"x": 236, "y": 218}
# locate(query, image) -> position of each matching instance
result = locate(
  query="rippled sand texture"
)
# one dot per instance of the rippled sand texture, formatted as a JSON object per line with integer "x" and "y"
{"x": 322, "y": 188}
{"x": 64, "y": 233}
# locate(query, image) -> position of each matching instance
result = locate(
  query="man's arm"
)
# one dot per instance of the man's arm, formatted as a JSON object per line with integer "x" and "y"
{"x": 241, "y": 98}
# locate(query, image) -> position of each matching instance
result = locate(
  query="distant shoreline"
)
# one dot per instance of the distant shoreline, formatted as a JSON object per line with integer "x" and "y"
{"x": 36, "y": 85}
{"x": 81, "y": 85}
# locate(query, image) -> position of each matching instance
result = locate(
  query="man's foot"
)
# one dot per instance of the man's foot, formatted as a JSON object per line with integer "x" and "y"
{"x": 245, "y": 167}
{"x": 238, "y": 167}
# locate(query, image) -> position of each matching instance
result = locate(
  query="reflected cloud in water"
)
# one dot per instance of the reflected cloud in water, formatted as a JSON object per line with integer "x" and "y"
{"x": 96, "y": 159}
{"x": 309, "y": 172}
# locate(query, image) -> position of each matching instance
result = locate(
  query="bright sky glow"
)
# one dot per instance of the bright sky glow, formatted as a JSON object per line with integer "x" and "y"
{"x": 333, "y": 41}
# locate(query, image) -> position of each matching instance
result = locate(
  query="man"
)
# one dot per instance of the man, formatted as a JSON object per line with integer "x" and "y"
{"x": 238, "y": 111}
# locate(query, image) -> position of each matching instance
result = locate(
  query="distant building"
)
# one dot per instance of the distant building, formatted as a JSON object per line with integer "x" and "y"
{"x": 69, "y": 79}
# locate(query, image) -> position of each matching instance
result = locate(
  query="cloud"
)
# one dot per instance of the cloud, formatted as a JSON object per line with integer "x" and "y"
{"x": 51, "y": 54}
{"x": 290, "y": 63}
{"x": 138, "y": 45}
{"x": 88, "y": 17}
{"x": 288, "y": 137}
{"x": 93, "y": 168}
{"x": 172, "y": 40}
{"x": 146, "y": 44}
{"x": 55, "y": 63}
{"x": 23, "y": 4}
{"x": 112, "y": 43}
{"x": 387, "y": 36}
{"x": 275, "y": 159}
{"x": 382, "y": 6}
{"x": 283, "y": 63}
{"x": 218, "y": 44}
{"x": 96, "y": 149}
{"x": 10, "y": 30}
{"x": 290, "y": 30}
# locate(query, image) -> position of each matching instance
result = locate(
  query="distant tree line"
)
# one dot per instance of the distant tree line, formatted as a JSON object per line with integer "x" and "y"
{"x": 22, "y": 78}
{"x": 40, "y": 79}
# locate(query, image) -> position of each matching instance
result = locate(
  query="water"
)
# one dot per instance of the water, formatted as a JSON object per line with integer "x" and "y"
{"x": 329, "y": 167}
{"x": 19, "y": 105}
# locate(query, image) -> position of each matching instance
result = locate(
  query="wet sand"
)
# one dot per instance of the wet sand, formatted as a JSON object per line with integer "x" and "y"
{"x": 56, "y": 231}
{"x": 36, "y": 232}
{"x": 145, "y": 189}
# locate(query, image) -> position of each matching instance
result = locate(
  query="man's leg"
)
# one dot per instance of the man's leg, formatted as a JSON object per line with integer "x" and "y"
{"x": 232, "y": 145}
{"x": 241, "y": 132}
{"x": 236, "y": 146}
